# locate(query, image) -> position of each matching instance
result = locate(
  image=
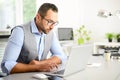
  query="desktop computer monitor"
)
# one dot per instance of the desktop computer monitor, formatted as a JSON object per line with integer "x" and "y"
{"x": 65, "y": 34}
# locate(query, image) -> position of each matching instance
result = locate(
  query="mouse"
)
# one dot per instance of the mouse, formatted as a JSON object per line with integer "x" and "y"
{"x": 40, "y": 76}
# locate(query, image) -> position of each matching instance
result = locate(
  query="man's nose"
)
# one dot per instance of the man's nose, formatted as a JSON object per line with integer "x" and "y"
{"x": 52, "y": 26}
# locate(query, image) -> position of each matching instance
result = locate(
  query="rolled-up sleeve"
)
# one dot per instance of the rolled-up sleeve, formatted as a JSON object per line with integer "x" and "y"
{"x": 12, "y": 50}
{"x": 56, "y": 50}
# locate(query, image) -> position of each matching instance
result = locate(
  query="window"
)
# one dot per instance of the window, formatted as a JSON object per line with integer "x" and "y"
{"x": 29, "y": 10}
{"x": 7, "y": 12}
{"x": 16, "y": 12}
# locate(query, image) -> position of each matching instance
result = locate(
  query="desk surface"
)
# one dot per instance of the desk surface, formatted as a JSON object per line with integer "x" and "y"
{"x": 108, "y": 70}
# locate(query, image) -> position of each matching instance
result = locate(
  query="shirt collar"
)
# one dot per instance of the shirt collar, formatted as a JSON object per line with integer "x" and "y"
{"x": 34, "y": 28}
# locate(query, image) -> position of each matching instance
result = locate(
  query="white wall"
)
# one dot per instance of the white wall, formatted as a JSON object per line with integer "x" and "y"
{"x": 98, "y": 25}
{"x": 74, "y": 13}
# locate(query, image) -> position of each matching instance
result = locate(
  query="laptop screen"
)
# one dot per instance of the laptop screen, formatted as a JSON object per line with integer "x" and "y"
{"x": 65, "y": 34}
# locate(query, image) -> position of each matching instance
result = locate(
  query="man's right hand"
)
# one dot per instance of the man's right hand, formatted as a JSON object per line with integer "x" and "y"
{"x": 44, "y": 66}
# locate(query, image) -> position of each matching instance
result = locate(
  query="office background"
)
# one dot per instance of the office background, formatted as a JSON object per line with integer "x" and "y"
{"x": 72, "y": 13}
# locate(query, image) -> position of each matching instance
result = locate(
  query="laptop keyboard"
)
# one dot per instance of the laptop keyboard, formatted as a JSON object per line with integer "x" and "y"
{"x": 59, "y": 70}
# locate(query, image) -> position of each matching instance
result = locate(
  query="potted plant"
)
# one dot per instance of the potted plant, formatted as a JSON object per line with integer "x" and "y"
{"x": 118, "y": 37}
{"x": 109, "y": 36}
{"x": 83, "y": 35}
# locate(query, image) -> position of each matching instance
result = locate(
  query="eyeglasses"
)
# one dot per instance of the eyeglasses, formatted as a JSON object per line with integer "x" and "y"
{"x": 50, "y": 22}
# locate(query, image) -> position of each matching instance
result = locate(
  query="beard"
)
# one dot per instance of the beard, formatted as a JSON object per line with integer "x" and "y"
{"x": 46, "y": 31}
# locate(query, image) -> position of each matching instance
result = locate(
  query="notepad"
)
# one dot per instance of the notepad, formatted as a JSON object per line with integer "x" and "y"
{"x": 94, "y": 65}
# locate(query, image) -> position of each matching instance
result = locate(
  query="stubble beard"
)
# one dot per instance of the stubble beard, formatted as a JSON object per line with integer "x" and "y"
{"x": 46, "y": 31}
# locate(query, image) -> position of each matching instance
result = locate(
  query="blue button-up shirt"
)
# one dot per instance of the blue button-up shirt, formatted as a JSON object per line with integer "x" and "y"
{"x": 15, "y": 44}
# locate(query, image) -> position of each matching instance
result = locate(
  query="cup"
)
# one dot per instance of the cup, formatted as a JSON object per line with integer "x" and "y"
{"x": 107, "y": 56}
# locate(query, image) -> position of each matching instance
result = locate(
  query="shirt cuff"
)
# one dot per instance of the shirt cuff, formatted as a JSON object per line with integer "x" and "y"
{"x": 9, "y": 65}
{"x": 63, "y": 58}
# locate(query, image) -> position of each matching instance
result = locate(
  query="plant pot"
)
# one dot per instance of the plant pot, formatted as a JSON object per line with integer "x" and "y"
{"x": 118, "y": 40}
{"x": 80, "y": 41}
{"x": 109, "y": 40}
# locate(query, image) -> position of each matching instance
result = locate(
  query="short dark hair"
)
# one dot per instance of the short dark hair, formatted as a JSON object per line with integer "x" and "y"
{"x": 45, "y": 7}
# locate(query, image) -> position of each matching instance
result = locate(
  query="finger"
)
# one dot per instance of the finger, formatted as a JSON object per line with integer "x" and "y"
{"x": 54, "y": 65}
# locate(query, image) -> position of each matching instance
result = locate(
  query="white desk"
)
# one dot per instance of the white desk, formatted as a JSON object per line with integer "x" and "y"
{"x": 107, "y": 71}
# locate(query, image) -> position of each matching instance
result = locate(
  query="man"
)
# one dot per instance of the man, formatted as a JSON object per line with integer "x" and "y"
{"x": 30, "y": 43}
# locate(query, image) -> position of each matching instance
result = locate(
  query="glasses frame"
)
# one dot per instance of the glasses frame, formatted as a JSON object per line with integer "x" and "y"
{"x": 51, "y": 22}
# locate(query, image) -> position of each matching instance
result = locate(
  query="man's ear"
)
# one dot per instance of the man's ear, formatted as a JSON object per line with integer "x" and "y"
{"x": 38, "y": 17}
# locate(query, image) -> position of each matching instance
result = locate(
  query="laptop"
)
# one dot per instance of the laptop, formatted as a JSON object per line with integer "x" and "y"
{"x": 77, "y": 60}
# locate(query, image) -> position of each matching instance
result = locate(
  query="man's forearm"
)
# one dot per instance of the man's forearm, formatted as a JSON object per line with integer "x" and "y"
{"x": 20, "y": 67}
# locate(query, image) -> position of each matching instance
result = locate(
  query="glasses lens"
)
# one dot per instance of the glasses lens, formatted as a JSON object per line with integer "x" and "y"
{"x": 55, "y": 23}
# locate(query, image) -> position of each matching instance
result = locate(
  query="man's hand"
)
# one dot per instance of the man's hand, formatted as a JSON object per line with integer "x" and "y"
{"x": 46, "y": 65}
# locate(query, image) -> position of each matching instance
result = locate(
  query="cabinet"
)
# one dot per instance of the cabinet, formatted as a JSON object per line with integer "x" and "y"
{"x": 3, "y": 42}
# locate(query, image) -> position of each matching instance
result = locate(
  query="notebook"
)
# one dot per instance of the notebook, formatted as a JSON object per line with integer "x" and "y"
{"x": 77, "y": 60}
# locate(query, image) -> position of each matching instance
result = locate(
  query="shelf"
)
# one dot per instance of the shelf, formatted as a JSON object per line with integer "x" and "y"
{"x": 97, "y": 45}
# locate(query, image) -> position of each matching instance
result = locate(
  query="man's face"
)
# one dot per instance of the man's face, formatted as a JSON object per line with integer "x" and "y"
{"x": 48, "y": 22}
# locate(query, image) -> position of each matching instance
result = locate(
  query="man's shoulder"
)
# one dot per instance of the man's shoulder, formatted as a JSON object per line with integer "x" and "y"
{"x": 17, "y": 28}
{"x": 23, "y": 25}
